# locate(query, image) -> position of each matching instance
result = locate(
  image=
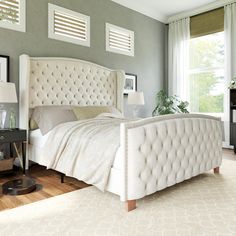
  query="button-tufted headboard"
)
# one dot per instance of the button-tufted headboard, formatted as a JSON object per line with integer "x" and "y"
{"x": 66, "y": 81}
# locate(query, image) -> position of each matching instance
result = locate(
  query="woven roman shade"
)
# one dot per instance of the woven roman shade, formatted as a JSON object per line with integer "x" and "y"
{"x": 207, "y": 23}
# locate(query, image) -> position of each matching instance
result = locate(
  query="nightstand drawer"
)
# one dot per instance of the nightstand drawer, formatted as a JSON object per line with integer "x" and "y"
{"x": 12, "y": 136}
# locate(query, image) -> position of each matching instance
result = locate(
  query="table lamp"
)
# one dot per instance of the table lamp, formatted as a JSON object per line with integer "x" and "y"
{"x": 136, "y": 99}
{"x": 7, "y": 95}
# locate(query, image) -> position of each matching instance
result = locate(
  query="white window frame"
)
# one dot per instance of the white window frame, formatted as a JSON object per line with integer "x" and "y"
{"x": 51, "y": 9}
{"x": 22, "y": 19}
{"x": 110, "y": 49}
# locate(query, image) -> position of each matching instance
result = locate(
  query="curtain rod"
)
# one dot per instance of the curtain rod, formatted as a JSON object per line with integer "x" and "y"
{"x": 208, "y": 7}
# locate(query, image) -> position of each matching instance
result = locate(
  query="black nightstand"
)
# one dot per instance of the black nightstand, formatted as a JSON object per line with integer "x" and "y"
{"x": 13, "y": 136}
{"x": 25, "y": 184}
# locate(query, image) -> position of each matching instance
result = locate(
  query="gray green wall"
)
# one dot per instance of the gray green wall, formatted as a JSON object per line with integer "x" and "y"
{"x": 150, "y": 42}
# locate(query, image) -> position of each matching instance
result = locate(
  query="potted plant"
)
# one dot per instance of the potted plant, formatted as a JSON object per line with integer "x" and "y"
{"x": 169, "y": 104}
{"x": 232, "y": 84}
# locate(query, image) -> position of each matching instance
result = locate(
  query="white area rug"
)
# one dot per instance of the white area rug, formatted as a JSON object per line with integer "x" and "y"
{"x": 205, "y": 205}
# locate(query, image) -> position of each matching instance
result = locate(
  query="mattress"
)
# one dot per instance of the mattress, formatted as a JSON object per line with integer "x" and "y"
{"x": 37, "y": 142}
{"x": 37, "y": 139}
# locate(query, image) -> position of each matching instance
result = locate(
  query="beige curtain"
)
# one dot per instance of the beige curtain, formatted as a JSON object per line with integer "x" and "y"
{"x": 230, "y": 60}
{"x": 178, "y": 51}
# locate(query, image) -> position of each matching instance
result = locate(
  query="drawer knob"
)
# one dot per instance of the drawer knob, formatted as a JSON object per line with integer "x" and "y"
{"x": 2, "y": 137}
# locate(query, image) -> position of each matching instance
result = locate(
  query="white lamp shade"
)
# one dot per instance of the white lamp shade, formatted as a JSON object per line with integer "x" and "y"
{"x": 136, "y": 98}
{"x": 8, "y": 93}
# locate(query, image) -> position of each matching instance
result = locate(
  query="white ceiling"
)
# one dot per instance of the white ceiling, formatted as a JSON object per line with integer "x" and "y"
{"x": 163, "y": 9}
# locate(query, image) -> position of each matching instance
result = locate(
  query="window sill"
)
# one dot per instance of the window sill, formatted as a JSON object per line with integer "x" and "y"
{"x": 219, "y": 115}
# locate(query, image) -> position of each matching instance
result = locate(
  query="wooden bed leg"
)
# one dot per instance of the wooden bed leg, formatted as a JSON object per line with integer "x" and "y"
{"x": 131, "y": 205}
{"x": 62, "y": 178}
{"x": 217, "y": 170}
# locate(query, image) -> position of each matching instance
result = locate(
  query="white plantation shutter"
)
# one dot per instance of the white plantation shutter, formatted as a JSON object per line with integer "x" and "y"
{"x": 119, "y": 40}
{"x": 9, "y": 11}
{"x": 12, "y": 14}
{"x": 69, "y": 26}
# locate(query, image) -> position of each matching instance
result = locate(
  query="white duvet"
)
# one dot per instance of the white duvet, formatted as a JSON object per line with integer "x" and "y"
{"x": 85, "y": 149}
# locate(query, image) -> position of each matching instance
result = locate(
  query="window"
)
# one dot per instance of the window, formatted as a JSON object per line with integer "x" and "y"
{"x": 119, "y": 40}
{"x": 68, "y": 26}
{"x": 206, "y": 75}
{"x": 12, "y": 14}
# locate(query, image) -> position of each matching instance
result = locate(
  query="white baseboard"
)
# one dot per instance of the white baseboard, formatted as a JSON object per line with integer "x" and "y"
{"x": 227, "y": 145}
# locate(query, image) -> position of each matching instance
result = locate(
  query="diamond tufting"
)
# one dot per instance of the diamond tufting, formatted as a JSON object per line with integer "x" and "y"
{"x": 156, "y": 152}
{"x": 83, "y": 84}
{"x": 164, "y": 151}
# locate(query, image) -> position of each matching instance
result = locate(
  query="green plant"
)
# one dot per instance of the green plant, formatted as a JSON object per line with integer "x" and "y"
{"x": 169, "y": 104}
{"x": 232, "y": 84}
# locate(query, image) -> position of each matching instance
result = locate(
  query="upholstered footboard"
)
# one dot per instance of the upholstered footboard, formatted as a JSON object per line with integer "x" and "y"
{"x": 162, "y": 151}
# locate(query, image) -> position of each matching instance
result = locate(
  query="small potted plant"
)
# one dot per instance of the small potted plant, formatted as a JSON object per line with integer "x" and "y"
{"x": 169, "y": 104}
{"x": 232, "y": 84}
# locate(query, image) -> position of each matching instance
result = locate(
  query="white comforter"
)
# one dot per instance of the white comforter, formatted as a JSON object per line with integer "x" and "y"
{"x": 84, "y": 149}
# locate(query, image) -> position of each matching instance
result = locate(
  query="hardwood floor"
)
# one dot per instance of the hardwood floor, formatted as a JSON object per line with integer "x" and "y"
{"x": 229, "y": 154}
{"x": 48, "y": 185}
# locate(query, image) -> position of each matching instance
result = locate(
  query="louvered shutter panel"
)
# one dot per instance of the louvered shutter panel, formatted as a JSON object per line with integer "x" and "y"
{"x": 9, "y": 11}
{"x": 67, "y": 25}
{"x": 70, "y": 26}
{"x": 12, "y": 14}
{"x": 119, "y": 40}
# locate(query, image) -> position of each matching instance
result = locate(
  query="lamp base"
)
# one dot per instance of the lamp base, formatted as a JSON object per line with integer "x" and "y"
{"x": 3, "y": 114}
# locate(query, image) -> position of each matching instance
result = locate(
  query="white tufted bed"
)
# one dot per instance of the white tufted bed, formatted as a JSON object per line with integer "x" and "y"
{"x": 154, "y": 153}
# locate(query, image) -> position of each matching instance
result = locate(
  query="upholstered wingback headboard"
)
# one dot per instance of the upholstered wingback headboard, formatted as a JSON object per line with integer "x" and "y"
{"x": 66, "y": 81}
